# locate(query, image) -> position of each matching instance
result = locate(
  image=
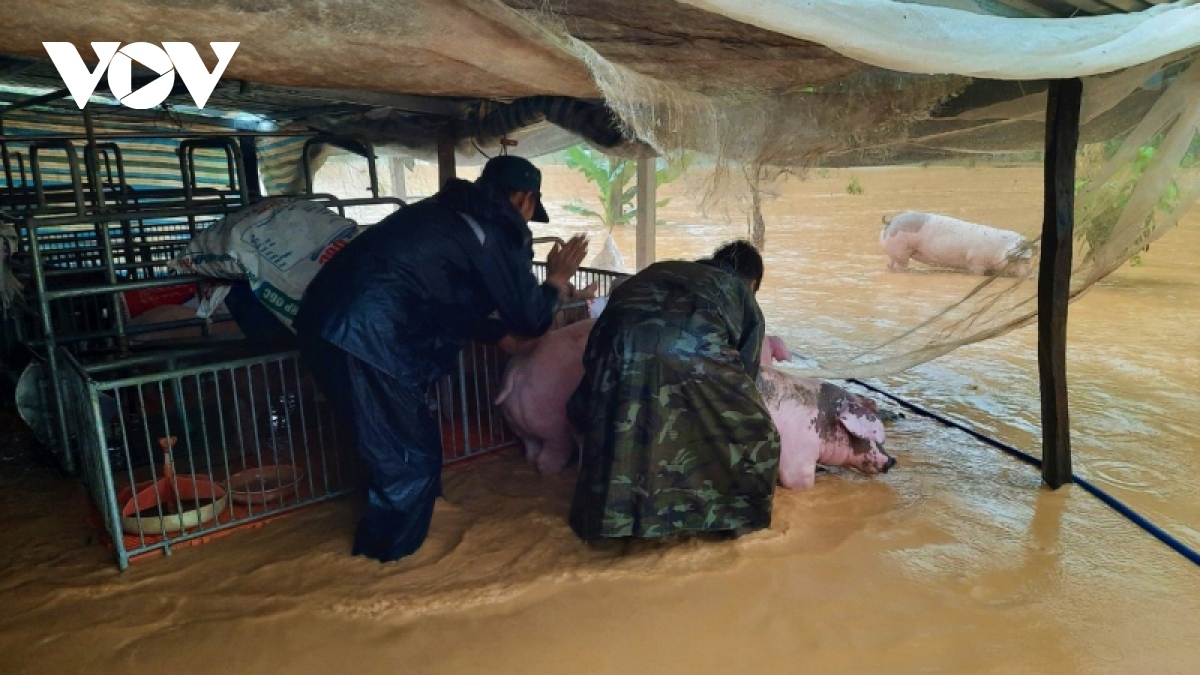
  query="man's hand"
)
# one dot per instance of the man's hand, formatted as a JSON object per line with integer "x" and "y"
{"x": 563, "y": 261}
{"x": 579, "y": 295}
{"x": 513, "y": 344}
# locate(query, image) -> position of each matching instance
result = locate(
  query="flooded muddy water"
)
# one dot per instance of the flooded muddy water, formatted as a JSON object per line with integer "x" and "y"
{"x": 1133, "y": 340}
{"x": 955, "y": 562}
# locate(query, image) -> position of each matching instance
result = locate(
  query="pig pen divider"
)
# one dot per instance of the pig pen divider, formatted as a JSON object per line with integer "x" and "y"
{"x": 253, "y": 427}
{"x": 76, "y": 268}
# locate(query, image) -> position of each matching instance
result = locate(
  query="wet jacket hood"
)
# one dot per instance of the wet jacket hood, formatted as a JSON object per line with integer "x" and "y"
{"x": 485, "y": 203}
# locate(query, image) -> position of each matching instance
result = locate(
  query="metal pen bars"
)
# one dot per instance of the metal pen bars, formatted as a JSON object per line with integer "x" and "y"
{"x": 84, "y": 243}
{"x": 180, "y": 447}
{"x": 179, "y": 442}
{"x": 253, "y": 431}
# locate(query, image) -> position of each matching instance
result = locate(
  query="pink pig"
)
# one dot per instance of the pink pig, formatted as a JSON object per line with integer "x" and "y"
{"x": 943, "y": 241}
{"x": 819, "y": 423}
{"x": 539, "y": 379}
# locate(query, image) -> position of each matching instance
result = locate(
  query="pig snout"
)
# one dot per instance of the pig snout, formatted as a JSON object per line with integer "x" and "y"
{"x": 874, "y": 461}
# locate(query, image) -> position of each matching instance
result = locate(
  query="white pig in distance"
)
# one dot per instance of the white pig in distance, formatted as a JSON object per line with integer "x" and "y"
{"x": 942, "y": 241}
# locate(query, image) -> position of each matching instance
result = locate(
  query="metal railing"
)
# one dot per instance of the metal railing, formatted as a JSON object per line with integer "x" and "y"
{"x": 172, "y": 454}
{"x": 83, "y": 247}
{"x": 252, "y": 437}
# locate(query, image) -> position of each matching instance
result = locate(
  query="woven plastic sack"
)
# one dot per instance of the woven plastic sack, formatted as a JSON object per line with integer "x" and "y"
{"x": 9, "y": 286}
{"x": 277, "y": 245}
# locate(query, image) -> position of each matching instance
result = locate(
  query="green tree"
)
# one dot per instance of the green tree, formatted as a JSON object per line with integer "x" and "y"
{"x": 616, "y": 179}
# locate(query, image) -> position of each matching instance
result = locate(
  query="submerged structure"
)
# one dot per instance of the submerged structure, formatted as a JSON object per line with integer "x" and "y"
{"x": 98, "y": 195}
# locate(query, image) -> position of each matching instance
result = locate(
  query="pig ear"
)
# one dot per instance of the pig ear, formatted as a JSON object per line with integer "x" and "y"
{"x": 860, "y": 425}
{"x": 779, "y": 348}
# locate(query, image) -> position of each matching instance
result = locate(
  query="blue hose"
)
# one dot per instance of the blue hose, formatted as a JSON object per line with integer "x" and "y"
{"x": 1111, "y": 501}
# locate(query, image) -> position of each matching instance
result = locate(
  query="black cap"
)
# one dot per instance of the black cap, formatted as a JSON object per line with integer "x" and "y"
{"x": 515, "y": 174}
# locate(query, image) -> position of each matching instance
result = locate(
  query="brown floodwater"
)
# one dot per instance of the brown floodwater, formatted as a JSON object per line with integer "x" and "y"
{"x": 955, "y": 562}
{"x": 1133, "y": 341}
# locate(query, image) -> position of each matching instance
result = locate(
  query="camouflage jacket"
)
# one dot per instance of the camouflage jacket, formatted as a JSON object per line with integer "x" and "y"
{"x": 675, "y": 434}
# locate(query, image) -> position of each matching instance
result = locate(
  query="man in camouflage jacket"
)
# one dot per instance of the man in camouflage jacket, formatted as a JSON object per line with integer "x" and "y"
{"x": 675, "y": 434}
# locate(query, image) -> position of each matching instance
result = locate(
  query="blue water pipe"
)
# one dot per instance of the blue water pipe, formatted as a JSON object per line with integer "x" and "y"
{"x": 1109, "y": 500}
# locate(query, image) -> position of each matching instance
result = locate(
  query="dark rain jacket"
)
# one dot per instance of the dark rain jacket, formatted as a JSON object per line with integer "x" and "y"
{"x": 404, "y": 295}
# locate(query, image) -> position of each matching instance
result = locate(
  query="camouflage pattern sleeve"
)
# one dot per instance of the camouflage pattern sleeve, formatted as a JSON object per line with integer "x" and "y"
{"x": 675, "y": 434}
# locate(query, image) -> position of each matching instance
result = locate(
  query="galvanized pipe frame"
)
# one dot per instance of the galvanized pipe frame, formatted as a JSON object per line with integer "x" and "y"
{"x": 64, "y": 450}
{"x": 82, "y": 391}
{"x": 154, "y": 135}
{"x": 63, "y": 340}
{"x": 479, "y": 369}
{"x": 84, "y": 395}
{"x": 189, "y": 142}
{"x": 604, "y": 279}
{"x": 476, "y": 380}
{"x": 72, "y": 165}
{"x": 50, "y": 341}
{"x": 233, "y": 162}
{"x": 92, "y": 161}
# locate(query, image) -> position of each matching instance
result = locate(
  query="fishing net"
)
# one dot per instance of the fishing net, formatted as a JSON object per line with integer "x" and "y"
{"x": 917, "y": 96}
{"x": 759, "y": 92}
{"x": 851, "y": 83}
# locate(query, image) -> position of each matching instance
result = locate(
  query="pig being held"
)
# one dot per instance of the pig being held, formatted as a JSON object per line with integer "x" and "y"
{"x": 818, "y": 423}
{"x": 540, "y": 377}
{"x": 942, "y": 241}
{"x": 821, "y": 423}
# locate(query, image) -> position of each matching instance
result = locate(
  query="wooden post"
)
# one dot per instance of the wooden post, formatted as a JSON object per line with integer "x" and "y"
{"x": 446, "y": 169}
{"x": 647, "y": 188}
{"x": 1054, "y": 276}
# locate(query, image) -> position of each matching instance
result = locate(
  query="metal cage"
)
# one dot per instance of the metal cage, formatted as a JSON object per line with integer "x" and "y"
{"x": 185, "y": 441}
{"x": 172, "y": 453}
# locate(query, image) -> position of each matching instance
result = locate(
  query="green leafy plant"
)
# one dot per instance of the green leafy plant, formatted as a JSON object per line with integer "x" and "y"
{"x": 616, "y": 179}
{"x": 854, "y": 188}
{"x": 1103, "y": 209}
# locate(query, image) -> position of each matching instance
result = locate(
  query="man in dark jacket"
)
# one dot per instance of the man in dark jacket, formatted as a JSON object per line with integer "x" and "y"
{"x": 390, "y": 312}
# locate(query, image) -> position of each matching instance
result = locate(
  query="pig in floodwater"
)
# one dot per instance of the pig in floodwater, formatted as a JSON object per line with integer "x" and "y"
{"x": 819, "y": 423}
{"x": 942, "y": 241}
{"x": 533, "y": 397}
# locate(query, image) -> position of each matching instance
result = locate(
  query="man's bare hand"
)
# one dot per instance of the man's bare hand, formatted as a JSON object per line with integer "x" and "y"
{"x": 564, "y": 260}
{"x": 514, "y": 344}
{"x": 579, "y": 294}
